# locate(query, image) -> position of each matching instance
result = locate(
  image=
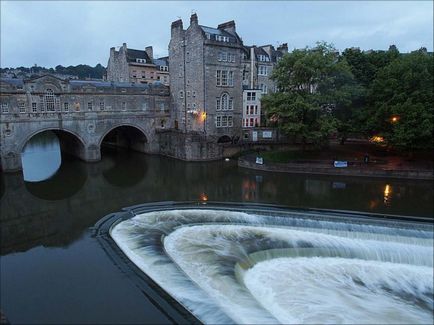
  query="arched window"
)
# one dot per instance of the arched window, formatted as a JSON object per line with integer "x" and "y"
{"x": 49, "y": 100}
{"x": 224, "y": 102}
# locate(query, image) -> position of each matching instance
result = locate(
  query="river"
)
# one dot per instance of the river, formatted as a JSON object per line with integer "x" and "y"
{"x": 54, "y": 271}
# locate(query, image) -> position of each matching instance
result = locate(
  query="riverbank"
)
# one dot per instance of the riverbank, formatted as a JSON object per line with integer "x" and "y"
{"x": 322, "y": 167}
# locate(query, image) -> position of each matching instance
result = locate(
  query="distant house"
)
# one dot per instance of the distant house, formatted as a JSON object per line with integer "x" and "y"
{"x": 137, "y": 66}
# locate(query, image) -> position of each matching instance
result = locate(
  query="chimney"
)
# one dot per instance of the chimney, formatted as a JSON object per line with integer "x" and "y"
{"x": 228, "y": 26}
{"x": 112, "y": 51}
{"x": 176, "y": 27}
{"x": 193, "y": 19}
{"x": 283, "y": 48}
{"x": 149, "y": 52}
{"x": 124, "y": 47}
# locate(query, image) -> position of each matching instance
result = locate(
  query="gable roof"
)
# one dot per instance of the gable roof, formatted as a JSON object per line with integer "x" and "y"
{"x": 132, "y": 55}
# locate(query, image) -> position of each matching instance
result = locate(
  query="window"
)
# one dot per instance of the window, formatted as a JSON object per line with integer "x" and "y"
{"x": 208, "y": 35}
{"x": 22, "y": 107}
{"x": 264, "y": 88}
{"x": 194, "y": 105}
{"x": 124, "y": 106}
{"x": 66, "y": 107}
{"x": 194, "y": 93}
{"x": 164, "y": 68}
{"x": 247, "y": 110}
{"x": 89, "y": 106}
{"x": 219, "y": 77}
{"x": 256, "y": 109}
{"x": 251, "y": 121}
{"x": 222, "y": 38}
{"x": 251, "y": 96}
{"x": 5, "y": 108}
{"x": 231, "y": 57}
{"x": 101, "y": 106}
{"x": 41, "y": 103}
{"x": 262, "y": 70}
{"x": 181, "y": 94}
{"x": 231, "y": 78}
{"x": 251, "y": 110}
{"x": 224, "y": 102}
{"x": 145, "y": 106}
{"x": 34, "y": 108}
{"x": 49, "y": 100}
{"x": 162, "y": 107}
{"x": 188, "y": 93}
{"x": 224, "y": 121}
{"x": 140, "y": 60}
{"x": 263, "y": 58}
{"x": 224, "y": 78}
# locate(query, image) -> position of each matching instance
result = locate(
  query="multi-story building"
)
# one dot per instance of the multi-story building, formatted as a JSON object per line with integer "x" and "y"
{"x": 137, "y": 66}
{"x": 258, "y": 64}
{"x": 206, "y": 79}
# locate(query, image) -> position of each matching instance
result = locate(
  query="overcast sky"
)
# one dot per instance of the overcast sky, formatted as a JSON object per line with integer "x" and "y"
{"x": 82, "y": 32}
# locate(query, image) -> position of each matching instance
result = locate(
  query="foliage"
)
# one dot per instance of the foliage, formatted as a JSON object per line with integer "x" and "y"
{"x": 312, "y": 83}
{"x": 401, "y": 102}
{"x": 82, "y": 71}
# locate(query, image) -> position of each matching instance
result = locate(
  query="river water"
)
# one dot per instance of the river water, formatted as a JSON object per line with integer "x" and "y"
{"x": 54, "y": 271}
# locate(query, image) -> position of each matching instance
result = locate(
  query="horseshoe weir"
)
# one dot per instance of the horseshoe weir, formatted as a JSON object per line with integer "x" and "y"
{"x": 264, "y": 264}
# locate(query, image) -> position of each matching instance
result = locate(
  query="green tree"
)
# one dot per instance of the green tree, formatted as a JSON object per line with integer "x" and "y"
{"x": 401, "y": 102}
{"x": 312, "y": 83}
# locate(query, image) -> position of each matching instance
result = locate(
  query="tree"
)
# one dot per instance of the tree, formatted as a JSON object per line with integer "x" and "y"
{"x": 401, "y": 99}
{"x": 312, "y": 82}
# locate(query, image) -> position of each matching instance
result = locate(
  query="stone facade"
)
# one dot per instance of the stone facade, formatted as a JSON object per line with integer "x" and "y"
{"x": 83, "y": 112}
{"x": 206, "y": 79}
{"x": 137, "y": 66}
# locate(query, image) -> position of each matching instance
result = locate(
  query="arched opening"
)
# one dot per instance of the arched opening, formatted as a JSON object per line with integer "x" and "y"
{"x": 126, "y": 137}
{"x": 224, "y": 139}
{"x": 42, "y": 154}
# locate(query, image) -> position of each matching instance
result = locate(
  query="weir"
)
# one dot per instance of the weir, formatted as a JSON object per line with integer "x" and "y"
{"x": 215, "y": 260}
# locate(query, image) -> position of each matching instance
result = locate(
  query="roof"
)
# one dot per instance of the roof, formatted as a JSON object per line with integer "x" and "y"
{"x": 132, "y": 55}
{"x": 164, "y": 61}
{"x": 13, "y": 81}
{"x": 109, "y": 84}
{"x": 216, "y": 31}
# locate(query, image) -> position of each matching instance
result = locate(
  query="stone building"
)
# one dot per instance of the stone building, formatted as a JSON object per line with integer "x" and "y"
{"x": 206, "y": 79}
{"x": 258, "y": 64}
{"x": 137, "y": 66}
{"x": 82, "y": 113}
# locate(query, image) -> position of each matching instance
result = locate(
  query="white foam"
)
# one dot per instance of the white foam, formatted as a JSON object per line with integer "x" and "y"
{"x": 201, "y": 248}
{"x": 339, "y": 291}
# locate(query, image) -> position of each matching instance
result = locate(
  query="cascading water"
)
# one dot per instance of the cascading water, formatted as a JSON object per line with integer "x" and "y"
{"x": 227, "y": 266}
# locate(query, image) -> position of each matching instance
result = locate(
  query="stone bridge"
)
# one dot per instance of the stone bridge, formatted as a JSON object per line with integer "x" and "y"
{"x": 82, "y": 114}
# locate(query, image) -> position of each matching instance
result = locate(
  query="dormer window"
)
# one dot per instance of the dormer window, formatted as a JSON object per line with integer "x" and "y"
{"x": 263, "y": 58}
{"x": 164, "y": 68}
{"x": 140, "y": 60}
{"x": 222, "y": 38}
{"x": 208, "y": 35}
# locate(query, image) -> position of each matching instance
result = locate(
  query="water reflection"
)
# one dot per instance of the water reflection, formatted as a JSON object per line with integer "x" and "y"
{"x": 67, "y": 181}
{"x": 57, "y": 211}
{"x": 41, "y": 157}
{"x": 127, "y": 168}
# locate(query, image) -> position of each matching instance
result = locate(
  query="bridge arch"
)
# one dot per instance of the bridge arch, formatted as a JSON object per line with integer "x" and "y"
{"x": 224, "y": 139}
{"x": 127, "y": 135}
{"x": 59, "y": 132}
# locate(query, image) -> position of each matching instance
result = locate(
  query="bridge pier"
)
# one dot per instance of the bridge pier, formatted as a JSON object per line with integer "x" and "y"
{"x": 11, "y": 162}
